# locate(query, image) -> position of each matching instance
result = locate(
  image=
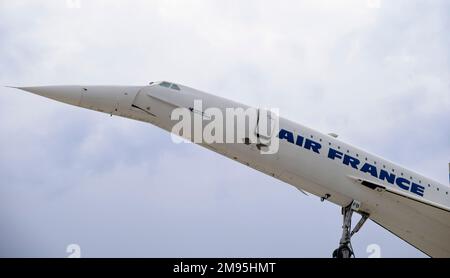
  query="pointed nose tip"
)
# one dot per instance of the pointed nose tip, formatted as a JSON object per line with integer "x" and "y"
{"x": 66, "y": 94}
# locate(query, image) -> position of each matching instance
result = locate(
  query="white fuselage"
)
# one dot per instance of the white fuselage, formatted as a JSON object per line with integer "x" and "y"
{"x": 309, "y": 160}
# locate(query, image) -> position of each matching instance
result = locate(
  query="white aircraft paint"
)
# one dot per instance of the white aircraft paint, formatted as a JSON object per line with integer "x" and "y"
{"x": 422, "y": 221}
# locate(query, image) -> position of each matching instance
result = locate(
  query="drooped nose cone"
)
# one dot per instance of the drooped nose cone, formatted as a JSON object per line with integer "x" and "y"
{"x": 66, "y": 94}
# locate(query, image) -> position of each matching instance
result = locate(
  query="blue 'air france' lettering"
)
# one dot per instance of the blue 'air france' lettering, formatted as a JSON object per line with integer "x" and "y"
{"x": 353, "y": 162}
{"x": 372, "y": 170}
{"x": 300, "y": 141}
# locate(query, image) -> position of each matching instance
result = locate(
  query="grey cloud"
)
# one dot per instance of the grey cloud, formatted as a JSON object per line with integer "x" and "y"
{"x": 121, "y": 188}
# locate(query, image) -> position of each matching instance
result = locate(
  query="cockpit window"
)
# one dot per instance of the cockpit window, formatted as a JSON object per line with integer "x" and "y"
{"x": 165, "y": 84}
{"x": 169, "y": 85}
{"x": 175, "y": 86}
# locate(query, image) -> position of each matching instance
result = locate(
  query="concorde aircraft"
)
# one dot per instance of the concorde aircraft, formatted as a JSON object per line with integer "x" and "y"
{"x": 411, "y": 206}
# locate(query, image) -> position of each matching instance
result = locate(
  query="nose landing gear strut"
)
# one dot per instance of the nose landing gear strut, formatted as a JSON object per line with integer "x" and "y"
{"x": 345, "y": 249}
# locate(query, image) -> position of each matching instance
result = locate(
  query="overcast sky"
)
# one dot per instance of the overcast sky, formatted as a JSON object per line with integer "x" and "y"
{"x": 375, "y": 72}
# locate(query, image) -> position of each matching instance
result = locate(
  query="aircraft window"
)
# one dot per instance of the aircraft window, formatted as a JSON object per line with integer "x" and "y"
{"x": 437, "y": 188}
{"x": 375, "y": 162}
{"x": 175, "y": 86}
{"x": 339, "y": 147}
{"x": 429, "y": 185}
{"x": 165, "y": 84}
{"x": 401, "y": 174}
{"x": 348, "y": 151}
{"x": 384, "y": 166}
